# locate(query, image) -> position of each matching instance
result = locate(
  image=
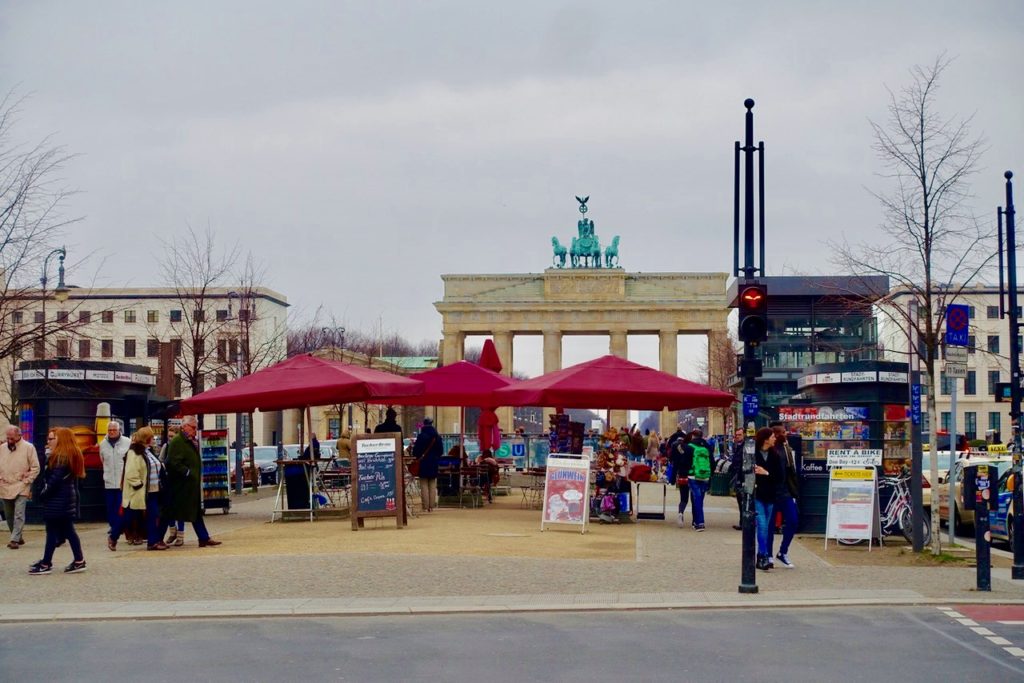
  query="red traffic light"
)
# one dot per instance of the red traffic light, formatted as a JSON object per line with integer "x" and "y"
{"x": 753, "y": 298}
{"x": 753, "y": 305}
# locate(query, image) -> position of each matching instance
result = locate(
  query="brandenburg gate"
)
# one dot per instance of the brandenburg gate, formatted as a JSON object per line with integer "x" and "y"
{"x": 589, "y": 298}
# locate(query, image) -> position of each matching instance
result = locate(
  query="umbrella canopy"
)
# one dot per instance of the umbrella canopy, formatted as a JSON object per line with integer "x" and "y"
{"x": 459, "y": 384}
{"x": 488, "y": 429}
{"x": 489, "y": 356}
{"x": 612, "y": 382}
{"x": 302, "y": 381}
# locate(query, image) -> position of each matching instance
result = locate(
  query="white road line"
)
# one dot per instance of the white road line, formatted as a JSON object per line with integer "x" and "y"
{"x": 1015, "y": 651}
{"x": 982, "y": 631}
{"x": 1010, "y": 623}
{"x": 955, "y": 615}
{"x": 998, "y": 640}
{"x": 967, "y": 622}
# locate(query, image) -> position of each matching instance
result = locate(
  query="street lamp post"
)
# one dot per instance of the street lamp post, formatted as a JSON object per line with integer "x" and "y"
{"x": 60, "y": 293}
{"x": 239, "y": 371}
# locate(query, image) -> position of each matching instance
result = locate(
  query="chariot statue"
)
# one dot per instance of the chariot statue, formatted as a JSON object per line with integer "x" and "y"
{"x": 585, "y": 250}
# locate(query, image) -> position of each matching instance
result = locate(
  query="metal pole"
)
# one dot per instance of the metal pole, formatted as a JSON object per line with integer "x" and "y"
{"x": 1017, "y": 570}
{"x": 952, "y": 461}
{"x": 914, "y": 376}
{"x": 748, "y": 192}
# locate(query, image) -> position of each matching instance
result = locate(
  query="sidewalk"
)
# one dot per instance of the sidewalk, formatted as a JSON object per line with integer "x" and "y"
{"x": 493, "y": 559}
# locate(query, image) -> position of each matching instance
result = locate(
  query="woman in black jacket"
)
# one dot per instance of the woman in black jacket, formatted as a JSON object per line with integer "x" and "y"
{"x": 59, "y": 496}
{"x": 769, "y": 478}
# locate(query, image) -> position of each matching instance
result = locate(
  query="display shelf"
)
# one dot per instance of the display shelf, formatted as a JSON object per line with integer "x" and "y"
{"x": 216, "y": 483}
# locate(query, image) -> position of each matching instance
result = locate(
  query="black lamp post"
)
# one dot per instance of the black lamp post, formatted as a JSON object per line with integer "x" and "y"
{"x": 60, "y": 293}
{"x": 239, "y": 371}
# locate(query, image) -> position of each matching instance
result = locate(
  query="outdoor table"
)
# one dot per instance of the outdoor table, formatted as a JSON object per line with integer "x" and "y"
{"x": 314, "y": 482}
{"x": 648, "y": 513}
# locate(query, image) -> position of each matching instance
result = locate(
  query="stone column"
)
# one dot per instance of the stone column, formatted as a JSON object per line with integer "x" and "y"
{"x": 617, "y": 346}
{"x": 668, "y": 355}
{"x": 503, "y": 345}
{"x": 721, "y": 370}
{"x": 453, "y": 347}
{"x": 552, "y": 362}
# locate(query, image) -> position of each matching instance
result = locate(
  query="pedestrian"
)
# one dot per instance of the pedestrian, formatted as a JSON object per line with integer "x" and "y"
{"x": 141, "y": 490}
{"x": 312, "y": 450}
{"x": 736, "y": 473}
{"x": 681, "y": 461}
{"x": 59, "y": 498}
{"x": 769, "y": 476}
{"x": 653, "y": 448}
{"x": 427, "y": 450}
{"x": 390, "y": 423}
{"x": 787, "y": 493}
{"x": 177, "y": 535}
{"x": 676, "y": 435}
{"x": 113, "y": 451}
{"x": 699, "y": 475}
{"x": 19, "y": 467}
{"x": 184, "y": 479}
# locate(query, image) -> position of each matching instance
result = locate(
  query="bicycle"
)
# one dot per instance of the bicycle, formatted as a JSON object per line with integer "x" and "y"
{"x": 898, "y": 512}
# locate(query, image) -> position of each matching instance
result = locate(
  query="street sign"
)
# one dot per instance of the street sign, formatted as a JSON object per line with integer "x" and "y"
{"x": 957, "y": 322}
{"x": 915, "y": 403}
{"x": 956, "y": 370}
{"x": 956, "y": 354}
{"x": 750, "y": 405}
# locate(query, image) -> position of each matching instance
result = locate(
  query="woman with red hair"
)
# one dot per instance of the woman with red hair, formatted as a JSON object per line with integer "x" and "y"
{"x": 59, "y": 497}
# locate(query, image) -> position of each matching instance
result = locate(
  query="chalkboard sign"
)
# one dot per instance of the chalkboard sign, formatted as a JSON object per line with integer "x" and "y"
{"x": 378, "y": 484}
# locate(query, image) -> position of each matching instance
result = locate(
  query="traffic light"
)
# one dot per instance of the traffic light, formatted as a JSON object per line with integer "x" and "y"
{"x": 753, "y": 305}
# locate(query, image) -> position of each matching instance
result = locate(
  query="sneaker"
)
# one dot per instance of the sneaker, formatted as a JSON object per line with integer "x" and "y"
{"x": 761, "y": 563}
{"x": 75, "y": 567}
{"x": 680, "y": 522}
{"x": 737, "y": 527}
{"x": 784, "y": 559}
{"x": 699, "y": 527}
{"x": 771, "y": 561}
{"x": 40, "y": 568}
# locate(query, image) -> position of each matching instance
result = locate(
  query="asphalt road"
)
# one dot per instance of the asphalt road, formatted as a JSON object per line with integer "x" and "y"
{"x": 915, "y": 644}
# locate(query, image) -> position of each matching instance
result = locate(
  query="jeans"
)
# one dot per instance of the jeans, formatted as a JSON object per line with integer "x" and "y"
{"x": 151, "y": 515}
{"x": 113, "y": 498}
{"x": 764, "y": 519}
{"x": 61, "y": 529}
{"x": 684, "y": 498}
{"x": 787, "y": 506}
{"x": 698, "y": 489}
{"x": 199, "y": 526}
{"x": 14, "y": 513}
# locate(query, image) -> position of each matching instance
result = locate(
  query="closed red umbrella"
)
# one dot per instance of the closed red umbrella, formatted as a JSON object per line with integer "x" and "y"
{"x": 300, "y": 382}
{"x": 458, "y": 384}
{"x": 612, "y": 382}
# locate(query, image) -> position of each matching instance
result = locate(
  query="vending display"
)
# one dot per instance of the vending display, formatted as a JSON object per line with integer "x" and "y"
{"x": 213, "y": 444}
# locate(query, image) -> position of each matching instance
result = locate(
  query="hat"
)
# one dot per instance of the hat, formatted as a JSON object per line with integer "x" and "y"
{"x": 428, "y": 421}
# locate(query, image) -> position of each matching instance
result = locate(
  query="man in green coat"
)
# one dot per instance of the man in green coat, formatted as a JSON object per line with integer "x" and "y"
{"x": 185, "y": 481}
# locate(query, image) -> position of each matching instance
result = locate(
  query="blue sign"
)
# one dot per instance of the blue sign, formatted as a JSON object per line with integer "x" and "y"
{"x": 957, "y": 322}
{"x": 750, "y": 405}
{"x": 915, "y": 404}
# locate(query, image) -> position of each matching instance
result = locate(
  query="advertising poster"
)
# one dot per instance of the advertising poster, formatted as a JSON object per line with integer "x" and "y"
{"x": 566, "y": 489}
{"x": 851, "y": 504}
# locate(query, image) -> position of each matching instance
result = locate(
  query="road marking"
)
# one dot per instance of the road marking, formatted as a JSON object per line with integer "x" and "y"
{"x": 1010, "y": 623}
{"x": 997, "y": 640}
{"x": 967, "y": 622}
{"x": 982, "y": 631}
{"x": 954, "y": 614}
{"x": 1015, "y": 651}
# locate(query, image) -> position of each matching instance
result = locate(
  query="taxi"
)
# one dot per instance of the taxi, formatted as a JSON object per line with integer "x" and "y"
{"x": 1001, "y": 519}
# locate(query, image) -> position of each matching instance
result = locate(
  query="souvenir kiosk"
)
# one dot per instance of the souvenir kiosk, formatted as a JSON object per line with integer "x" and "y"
{"x": 859, "y": 405}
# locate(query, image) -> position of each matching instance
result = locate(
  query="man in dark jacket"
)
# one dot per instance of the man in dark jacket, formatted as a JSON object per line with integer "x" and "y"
{"x": 427, "y": 450}
{"x": 682, "y": 459}
{"x": 185, "y": 481}
{"x": 390, "y": 423}
{"x": 786, "y": 496}
{"x": 736, "y": 473}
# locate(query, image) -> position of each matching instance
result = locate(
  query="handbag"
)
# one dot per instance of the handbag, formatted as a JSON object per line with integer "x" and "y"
{"x": 682, "y": 481}
{"x": 414, "y": 466}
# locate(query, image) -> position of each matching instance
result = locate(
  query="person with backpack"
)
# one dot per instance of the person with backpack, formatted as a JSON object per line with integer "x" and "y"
{"x": 681, "y": 459}
{"x": 699, "y": 475}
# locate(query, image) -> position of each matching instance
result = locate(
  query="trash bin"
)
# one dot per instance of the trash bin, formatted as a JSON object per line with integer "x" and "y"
{"x": 719, "y": 484}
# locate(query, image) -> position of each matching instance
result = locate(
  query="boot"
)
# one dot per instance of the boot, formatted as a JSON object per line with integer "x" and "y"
{"x": 179, "y": 539}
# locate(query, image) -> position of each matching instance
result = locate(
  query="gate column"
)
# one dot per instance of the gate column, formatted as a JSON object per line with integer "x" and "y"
{"x": 617, "y": 346}
{"x": 668, "y": 361}
{"x": 503, "y": 345}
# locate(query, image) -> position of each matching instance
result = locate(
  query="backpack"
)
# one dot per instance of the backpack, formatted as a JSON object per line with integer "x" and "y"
{"x": 701, "y": 468}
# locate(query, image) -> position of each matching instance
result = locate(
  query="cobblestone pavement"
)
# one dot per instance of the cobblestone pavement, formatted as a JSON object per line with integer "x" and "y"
{"x": 667, "y": 566}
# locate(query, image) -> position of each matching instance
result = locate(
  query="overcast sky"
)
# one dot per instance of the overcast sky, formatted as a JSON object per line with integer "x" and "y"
{"x": 362, "y": 149}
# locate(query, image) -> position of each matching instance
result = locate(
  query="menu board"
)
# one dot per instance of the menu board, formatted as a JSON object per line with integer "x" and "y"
{"x": 566, "y": 491}
{"x": 377, "y": 481}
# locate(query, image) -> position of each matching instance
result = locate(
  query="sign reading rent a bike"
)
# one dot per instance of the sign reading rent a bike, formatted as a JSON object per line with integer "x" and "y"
{"x": 854, "y": 457}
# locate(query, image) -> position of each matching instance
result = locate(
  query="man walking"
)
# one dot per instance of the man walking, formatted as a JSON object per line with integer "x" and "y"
{"x": 19, "y": 467}
{"x": 788, "y": 493}
{"x": 113, "y": 450}
{"x": 699, "y": 475}
{"x": 185, "y": 480}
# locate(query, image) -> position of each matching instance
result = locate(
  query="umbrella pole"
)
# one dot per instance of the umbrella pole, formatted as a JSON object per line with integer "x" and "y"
{"x": 311, "y": 472}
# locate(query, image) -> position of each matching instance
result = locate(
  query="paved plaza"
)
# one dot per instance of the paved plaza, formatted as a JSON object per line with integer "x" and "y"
{"x": 490, "y": 559}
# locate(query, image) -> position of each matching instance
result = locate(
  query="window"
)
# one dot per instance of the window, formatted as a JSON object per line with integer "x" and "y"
{"x": 63, "y": 348}
{"x": 993, "y": 380}
{"x": 945, "y": 384}
{"x": 84, "y": 348}
{"x": 85, "y": 317}
{"x": 971, "y": 383}
{"x": 233, "y": 350}
{"x": 222, "y": 315}
{"x": 175, "y": 316}
{"x": 152, "y": 316}
{"x": 222, "y": 378}
{"x": 38, "y": 350}
{"x": 129, "y": 316}
{"x": 993, "y": 343}
{"x": 994, "y": 419}
{"x": 107, "y": 316}
{"x": 17, "y": 317}
{"x": 222, "y": 422}
{"x": 177, "y": 385}
{"x": 38, "y": 316}
{"x": 176, "y": 348}
{"x": 200, "y": 347}
{"x": 200, "y": 385}
{"x": 972, "y": 343}
{"x": 152, "y": 348}
{"x": 944, "y": 419}
{"x": 129, "y": 348}
{"x": 991, "y": 312}
{"x": 63, "y": 316}
{"x": 222, "y": 350}
{"x": 970, "y": 312}
{"x": 245, "y": 315}
{"x": 971, "y": 425}
{"x": 107, "y": 348}
{"x": 199, "y": 315}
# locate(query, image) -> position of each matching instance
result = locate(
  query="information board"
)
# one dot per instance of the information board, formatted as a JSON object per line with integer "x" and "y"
{"x": 566, "y": 491}
{"x": 378, "y": 483}
{"x": 853, "y": 506}
{"x": 854, "y": 457}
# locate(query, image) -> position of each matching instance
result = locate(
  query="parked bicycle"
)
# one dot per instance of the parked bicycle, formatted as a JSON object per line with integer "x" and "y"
{"x": 898, "y": 513}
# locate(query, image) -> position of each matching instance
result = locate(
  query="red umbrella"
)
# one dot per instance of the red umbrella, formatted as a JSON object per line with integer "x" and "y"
{"x": 458, "y": 384}
{"x": 303, "y": 381}
{"x": 489, "y": 356}
{"x": 612, "y": 382}
{"x": 488, "y": 430}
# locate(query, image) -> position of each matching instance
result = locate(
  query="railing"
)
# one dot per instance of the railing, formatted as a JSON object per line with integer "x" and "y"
{"x": 536, "y": 455}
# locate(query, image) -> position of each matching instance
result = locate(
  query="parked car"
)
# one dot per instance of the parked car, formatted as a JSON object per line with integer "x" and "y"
{"x": 266, "y": 460}
{"x": 1001, "y": 519}
{"x": 963, "y": 520}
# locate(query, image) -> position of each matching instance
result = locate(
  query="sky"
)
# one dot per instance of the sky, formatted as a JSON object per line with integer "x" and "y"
{"x": 362, "y": 149}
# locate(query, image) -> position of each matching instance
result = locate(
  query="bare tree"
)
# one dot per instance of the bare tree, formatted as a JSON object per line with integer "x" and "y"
{"x": 197, "y": 269}
{"x": 717, "y": 367}
{"x": 934, "y": 246}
